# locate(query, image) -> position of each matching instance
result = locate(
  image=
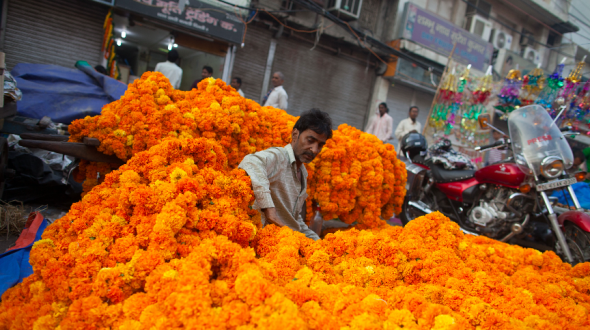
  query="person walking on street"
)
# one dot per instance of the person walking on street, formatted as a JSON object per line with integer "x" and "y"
{"x": 236, "y": 83}
{"x": 279, "y": 178}
{"x": 205, "y": 73}
{"x": 382, "y": 125}
{"x": 170, "y": 69}
{"x": 277, "y": 97}
{"x": 408, "y": 125}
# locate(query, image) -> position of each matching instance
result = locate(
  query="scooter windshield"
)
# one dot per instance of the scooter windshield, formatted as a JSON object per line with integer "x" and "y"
{"x": 534, "y": 137}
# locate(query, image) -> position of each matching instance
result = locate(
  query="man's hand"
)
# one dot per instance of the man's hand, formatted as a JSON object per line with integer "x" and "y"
{"x": 271, "y": 216}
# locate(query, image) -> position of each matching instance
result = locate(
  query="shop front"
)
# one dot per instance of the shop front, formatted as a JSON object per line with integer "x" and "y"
{"x": 432, "y": 39}
{"x": 203, "y": 35}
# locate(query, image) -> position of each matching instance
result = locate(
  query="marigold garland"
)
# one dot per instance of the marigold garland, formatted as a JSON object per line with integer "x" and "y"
{"x": 356, "y": 177}
{"x": 428, "y": 275}
{"x": 169, "y": 241}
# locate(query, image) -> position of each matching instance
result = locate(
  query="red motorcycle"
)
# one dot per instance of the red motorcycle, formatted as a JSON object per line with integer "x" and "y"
{"x": 507, "y": 201}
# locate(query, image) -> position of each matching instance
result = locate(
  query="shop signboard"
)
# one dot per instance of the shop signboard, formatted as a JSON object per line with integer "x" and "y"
{"x": 192, "y": 14}
{"x": 438, "y": 34}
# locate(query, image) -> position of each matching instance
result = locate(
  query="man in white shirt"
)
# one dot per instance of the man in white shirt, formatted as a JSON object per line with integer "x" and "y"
{"x": 382, "y": 125}
{"x": 408, "y": 125}
{"x": 169, "y": 69}
{"x": 277, "y": 97}
{"x": 236, "y": 83}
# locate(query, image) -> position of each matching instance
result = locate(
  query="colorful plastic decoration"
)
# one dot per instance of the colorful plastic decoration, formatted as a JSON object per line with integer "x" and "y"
{"x": 532, "y": 85}
{"x": 440, "y": 112}
{"x": 508, "y": 98}
{"x": 568, "y": 93}
{"x": 477, "y": 101}
{"x": 549, "y": 93}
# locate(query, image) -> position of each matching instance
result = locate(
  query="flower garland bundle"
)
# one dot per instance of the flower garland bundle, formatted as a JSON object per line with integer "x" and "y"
{"x": 428, "y": 275}
{"x": 151, "y": 110}
{"x": 369, "y": 184}
{"x": 356, "y": 178}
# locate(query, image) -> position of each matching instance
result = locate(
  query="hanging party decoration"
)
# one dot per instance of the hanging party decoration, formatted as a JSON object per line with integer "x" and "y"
{"x": 441, "y": 109}
{"x": 532, "y": 85}
{"x": 568, "y": 93}
{"x": 508, "y": 98}
{"x": 554, "y": 83}
{"x": 476, "y": 106}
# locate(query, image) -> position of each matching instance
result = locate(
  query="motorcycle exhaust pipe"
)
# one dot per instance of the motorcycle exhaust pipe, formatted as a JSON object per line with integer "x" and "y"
{"x": 420, "y": 206}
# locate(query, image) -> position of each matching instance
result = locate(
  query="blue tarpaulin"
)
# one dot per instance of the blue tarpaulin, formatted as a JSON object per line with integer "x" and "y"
{"x": 14, "y": 264}
{"x": 582, "y": 190}
{"x": 64, "y": 94}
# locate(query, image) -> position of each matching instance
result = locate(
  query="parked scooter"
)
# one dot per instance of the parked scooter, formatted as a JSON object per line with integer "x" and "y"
{"x": 507, "y": 201}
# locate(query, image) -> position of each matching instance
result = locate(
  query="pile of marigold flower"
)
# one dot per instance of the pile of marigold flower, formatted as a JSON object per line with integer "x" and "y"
{"x": 356, "y": 178}
{"x": 169, "y": 241}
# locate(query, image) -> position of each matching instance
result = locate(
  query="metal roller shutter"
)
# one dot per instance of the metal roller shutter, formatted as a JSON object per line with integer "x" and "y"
{"x": 399, "y": 100}
{"x": 250, "y": 61}
{"x": 318, "y": 79}
{"x": 53, "y": 32}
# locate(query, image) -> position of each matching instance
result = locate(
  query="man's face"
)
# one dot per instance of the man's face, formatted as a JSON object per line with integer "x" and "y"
{"x": 276, "y": 80}
{"x": 414, "y": 113}
{"x": 382, "y": 109}
{"x": 205, "y": 74}
{"x": 235, "y": 84}
{"x": 307, "y": 145}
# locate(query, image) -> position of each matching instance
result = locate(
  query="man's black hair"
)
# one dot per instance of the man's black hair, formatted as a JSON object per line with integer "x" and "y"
{"x": 173, "y": 56}
{"x": 315, "y": 120}
{"x": 578, "y": 153}
{"x": 385, "y": 105}
{"x": 413, "y": 107}
{"x": 208, "y": 68}
{"x": 239, "y": 80}
{"x": 100, "y": 69}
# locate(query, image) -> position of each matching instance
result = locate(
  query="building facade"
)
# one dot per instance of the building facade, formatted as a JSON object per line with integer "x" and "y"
{"x": 342, "y": 56}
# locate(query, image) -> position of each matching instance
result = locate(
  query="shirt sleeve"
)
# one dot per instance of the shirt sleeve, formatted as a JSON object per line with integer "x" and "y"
{"x": 388, "y": 129}
{"x": 399, "y": 131}
{"x": 305, "y": 229}
{"x": 179, "y": 80}
{"x": 259, "y": 166}
{"x": 283, "y": 103}
{"x": 157, "y": 69}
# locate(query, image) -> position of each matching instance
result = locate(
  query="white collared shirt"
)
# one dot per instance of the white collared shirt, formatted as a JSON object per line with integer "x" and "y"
{"x": 381, "y": 126}
{"x": 404, "y": 127}
{"x": 278, "y": 98}
{"x": 172, "y": 71}
{"x": 273, "y": 173}
{"x": 240, "y": 92}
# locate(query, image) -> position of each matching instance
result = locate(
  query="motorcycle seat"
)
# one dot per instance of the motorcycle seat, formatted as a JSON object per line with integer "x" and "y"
{"x": 440, "y": 175}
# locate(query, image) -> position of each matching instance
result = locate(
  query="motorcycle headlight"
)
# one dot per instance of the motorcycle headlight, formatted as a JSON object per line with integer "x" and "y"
{"x": 552, "y": 167}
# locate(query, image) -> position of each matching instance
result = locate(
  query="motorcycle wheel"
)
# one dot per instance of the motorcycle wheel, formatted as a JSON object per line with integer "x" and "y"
{"x": 578, "y": 242}
{"x": 410, "y": 213}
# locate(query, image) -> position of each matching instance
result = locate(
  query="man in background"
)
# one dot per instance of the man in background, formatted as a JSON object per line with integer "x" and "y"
{"x": 170, "y": 69}
{"x": 382, "y": 125}
{"x": 408, "y": 125}
{"x": 207, "y": 72}
{"x": 277, "y": 97}
{"x": 236, "y": 83}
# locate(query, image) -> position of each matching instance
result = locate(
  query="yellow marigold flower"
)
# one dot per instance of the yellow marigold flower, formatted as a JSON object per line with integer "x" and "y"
{"x": 172, "y": 274}
{"x": 463, "y": 246}
{"x": 177, "y": 174}
{"x": 119, "y": 133}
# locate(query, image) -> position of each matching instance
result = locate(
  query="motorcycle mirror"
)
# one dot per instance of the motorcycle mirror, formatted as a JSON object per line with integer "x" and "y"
{"x": 484, "y": 120}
